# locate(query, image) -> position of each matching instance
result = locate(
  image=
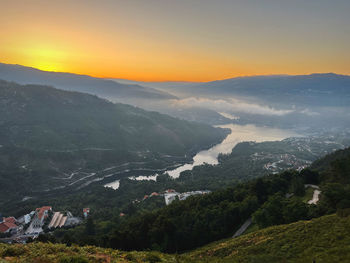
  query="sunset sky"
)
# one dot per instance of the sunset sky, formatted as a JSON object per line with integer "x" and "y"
{"x": 191, "y": 40}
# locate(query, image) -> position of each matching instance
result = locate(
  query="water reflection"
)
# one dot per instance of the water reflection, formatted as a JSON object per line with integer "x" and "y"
{"x": 239, "y": 133}
{"x": 114, "y": 185}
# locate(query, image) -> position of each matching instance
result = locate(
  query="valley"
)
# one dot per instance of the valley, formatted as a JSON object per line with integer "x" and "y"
{"x": 68, "y": 140}
{"x": 174, "y": 131}
{"x": 156, "y": 182}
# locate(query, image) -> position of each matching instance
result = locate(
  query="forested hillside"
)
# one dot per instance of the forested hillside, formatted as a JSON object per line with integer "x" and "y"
{"x": 51, "y": 138}
{"x": 270, "y": 200}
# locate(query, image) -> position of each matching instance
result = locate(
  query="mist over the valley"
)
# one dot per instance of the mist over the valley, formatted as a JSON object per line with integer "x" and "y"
{"x": 294, "y": 102}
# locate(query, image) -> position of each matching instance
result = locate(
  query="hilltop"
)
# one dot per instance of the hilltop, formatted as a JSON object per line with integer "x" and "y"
{"x": 82, "y": 83}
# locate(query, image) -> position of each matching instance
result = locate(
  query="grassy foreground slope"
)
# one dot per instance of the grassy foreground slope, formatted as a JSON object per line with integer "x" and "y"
{"x": 59, "y": 253}
{"x": 325, "y": 239}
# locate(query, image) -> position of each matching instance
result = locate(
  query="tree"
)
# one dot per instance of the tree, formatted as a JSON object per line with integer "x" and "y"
{"x": 297, "y": 186}
{"x": 270, "y": 213}
{"x": 90, "y": 227}
{"x": 310, "y": 176}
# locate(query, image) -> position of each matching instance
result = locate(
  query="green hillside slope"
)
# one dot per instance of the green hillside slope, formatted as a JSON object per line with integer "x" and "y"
{"x": 324, "y": 239}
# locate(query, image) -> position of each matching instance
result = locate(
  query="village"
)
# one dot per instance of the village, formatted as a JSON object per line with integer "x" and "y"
{"x": 45, "y": 219}
{"x": 40, "y": 220}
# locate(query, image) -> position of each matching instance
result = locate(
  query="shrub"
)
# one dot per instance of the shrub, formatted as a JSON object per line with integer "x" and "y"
{"x": 152, "y": 258}
{"x": 73, "y": 259}
{"x": 343, "y": 212}
{"x": 12, "y": 251}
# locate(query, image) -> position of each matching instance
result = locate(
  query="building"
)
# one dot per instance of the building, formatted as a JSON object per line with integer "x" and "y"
{"x": 38, "y": 219}
{"x": 36, "y": 223}
{"x": 8, "y": 226}
{"x": 27, "y": 218}
{"x": 10, "y": 219}
{"x": 172, "y": 196}
{"x": 58, "y": 220}
{"x": 71, "y": 220}
{"x": 43, "y": 212}
{"x": 86, "y": 212}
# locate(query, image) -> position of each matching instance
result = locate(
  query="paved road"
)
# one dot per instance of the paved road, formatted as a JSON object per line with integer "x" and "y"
{"x": 243, "y": 228}
{"x": 315, "y": 197}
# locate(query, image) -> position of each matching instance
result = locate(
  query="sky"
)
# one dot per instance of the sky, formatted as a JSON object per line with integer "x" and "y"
{"x": 177, "y": 40}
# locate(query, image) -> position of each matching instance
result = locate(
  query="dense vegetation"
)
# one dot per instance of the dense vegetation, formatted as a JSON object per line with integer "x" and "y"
{"x": 246, "y": 161}
{"x": 58, "y": 253}
{"x": 185, "y": 225}
{"x": 188, "y": 224}
{"x": 325, "y": 239}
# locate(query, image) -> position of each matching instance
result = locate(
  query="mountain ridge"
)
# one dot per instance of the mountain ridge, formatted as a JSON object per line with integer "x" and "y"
{"x": 78, "y": 82}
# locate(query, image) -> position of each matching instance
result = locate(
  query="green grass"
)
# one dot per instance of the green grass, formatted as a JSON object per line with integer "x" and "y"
{"x": 325, "y": 239}
{"x": 252, "y": 228}
{"x": 58, "y": 253}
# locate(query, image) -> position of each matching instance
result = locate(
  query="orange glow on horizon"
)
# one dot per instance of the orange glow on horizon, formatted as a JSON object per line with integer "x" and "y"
{"x": 139, "y": 42}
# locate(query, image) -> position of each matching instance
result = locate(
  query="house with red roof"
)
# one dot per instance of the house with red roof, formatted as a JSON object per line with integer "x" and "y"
{"x": 10, "y": 219}
{"x": 86, "y": 212}
{"x": 43, "y": 212}
{"x": 8, "y": 227}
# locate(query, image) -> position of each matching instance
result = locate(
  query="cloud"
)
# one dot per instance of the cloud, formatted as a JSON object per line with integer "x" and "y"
{"x": 309, "y": 112}
{"x": 229, "y": 106}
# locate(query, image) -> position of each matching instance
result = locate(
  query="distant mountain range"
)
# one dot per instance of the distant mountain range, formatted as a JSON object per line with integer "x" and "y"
{"x": 326, "y": 89}
{"x": 285, "y": 101}
{"x": 319, "y": 89}
{"x": 308, "y": 100}
{"x": 47, "y": 118}
{"x": 169, "y": 85}
{"x": 82, "y": 83}
{"x": 313, "y": 90}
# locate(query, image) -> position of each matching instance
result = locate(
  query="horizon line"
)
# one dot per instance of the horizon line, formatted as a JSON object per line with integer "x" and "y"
{"x": 163, "y": 81}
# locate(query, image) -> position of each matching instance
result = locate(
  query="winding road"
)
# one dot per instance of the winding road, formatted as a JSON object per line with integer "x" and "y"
{"x": 316, "y": 195}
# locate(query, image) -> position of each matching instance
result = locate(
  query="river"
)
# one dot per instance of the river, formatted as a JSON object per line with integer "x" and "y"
{"x": 239, "y": 133}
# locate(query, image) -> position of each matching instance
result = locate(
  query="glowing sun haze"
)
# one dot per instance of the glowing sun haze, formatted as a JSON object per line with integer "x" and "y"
{"x": 192, "y": 40}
